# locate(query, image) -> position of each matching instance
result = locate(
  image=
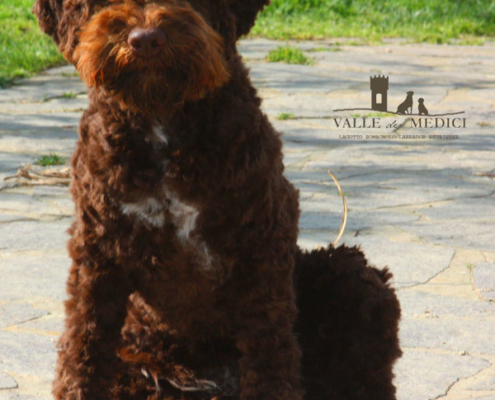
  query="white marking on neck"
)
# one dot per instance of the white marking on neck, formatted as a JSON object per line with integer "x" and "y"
{"x": 159, "y": 133}
{"x": 184, "y": 217}
{"x": 150, "y": 210}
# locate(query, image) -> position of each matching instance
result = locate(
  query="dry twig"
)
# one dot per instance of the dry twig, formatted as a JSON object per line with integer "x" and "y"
{"x": 28, "y": 176}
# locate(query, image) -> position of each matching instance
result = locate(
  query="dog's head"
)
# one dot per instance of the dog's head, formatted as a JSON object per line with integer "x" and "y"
{"x": 410, "y": 93}
{"x": 147, "y": 53}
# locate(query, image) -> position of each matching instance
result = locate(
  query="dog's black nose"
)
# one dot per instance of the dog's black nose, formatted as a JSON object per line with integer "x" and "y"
{"x": 146, "y": 42}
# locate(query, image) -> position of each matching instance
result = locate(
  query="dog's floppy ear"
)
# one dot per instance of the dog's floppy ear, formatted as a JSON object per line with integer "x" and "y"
{"x": 62, "y": 19}
{"x": 48, "y": 13}
{"x": 245, "y": 12}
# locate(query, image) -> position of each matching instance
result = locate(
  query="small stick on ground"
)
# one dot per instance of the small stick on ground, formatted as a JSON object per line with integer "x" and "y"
{"x": 344, "y": 214}
{"x": 27, "y": 176}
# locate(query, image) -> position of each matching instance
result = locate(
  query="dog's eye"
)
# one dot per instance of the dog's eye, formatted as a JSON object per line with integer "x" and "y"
{"x": 117, "y": 25}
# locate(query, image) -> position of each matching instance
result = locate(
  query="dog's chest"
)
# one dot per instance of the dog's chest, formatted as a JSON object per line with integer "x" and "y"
{"x": 156, "y": 209}
{"x": 162, "y": 206}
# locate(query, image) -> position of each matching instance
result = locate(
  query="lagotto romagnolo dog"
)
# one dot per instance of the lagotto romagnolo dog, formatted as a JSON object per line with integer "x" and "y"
{"x": 186, "y": 277}
{"x": 406, "y": 106}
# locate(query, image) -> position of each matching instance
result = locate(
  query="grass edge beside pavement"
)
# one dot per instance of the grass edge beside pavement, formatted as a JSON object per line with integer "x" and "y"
{"x": 25, "y": 50}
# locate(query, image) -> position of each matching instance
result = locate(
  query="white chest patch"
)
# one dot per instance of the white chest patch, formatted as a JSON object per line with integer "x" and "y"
{"x": 183, "y": 215}
{"x": 157, "y": 210}
{"x": 149, "y": 210}
{"x": 154, "y": 212}
{"x": 159, "y": 134}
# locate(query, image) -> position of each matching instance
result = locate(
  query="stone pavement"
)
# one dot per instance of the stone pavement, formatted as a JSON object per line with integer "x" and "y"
{"x": 424, "y": 207}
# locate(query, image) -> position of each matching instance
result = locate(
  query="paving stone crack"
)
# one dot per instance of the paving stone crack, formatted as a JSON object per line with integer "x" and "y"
{"x": 8, "y": 327}
{"x": 447, "y": 390}
{"x": 449, "y": 199}
{"x": 428, "y": 281}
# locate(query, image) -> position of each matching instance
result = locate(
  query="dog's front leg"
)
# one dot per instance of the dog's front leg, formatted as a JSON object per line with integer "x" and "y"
{"x": 270, "y": 359}
{"x": 95, "y": 313}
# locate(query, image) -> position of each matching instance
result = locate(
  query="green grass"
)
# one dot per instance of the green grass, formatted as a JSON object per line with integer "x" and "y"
{"x": 436, "y": 21}
{"x": 69, "y": 95}
{"x": 289, "y": 55}
{"x": 320, "y": 49}
{"x": 65, "y": 95}
{"x": 24, "y": 49}
{"x": 284, "y": 116}
{"x": 50, "y": 160}
{"x": 324, "y": 49}
{"x": 70, "y": 74}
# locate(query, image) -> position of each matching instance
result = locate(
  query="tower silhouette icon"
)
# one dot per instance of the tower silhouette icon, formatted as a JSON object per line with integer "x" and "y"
{"x": 379, "y": 89}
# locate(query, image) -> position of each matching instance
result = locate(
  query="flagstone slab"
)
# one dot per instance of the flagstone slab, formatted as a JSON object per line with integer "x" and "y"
{"x": 49, "y": 325}
{"x": 10, "y": 163}
{"x": 31, "y": 235}
{"x": 487, "y": 383}
{"x": 9, "y": 122}
{"x": 15, "y": 395}
{"x": 426, "y": 375}
{"x": 451, "y": 333}
{"x": 6, "y": 382}
{"x": 422, "y": 305}
{"x": 484, "y": 280}
{"x": 460, "y": 233}
{"x": 33, "y": 276}
{"x": 41, "y": 87}
{"x": 34, "y": 207}
{"x": 411, "y": 263}
{"x": 43, "y": 141}
{"x": 28, "y": 354}
{"x": 17, "y": 313}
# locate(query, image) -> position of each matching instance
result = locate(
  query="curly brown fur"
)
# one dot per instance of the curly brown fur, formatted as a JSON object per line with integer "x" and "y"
{"x": 185, "y": 234}
{"x": 347, "y": 327}
{"x": 186, "y": 205}
{"x": 245, "y": 13}
{"x": 189, "y": 66}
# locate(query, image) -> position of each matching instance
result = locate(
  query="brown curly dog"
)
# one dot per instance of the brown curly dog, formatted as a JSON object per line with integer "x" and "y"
{"x": 184, "y": 243}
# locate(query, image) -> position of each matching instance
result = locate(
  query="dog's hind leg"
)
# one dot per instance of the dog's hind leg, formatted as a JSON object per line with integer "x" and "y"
{"x": 95, "y": 313}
